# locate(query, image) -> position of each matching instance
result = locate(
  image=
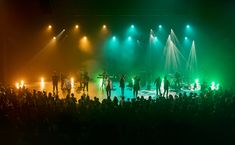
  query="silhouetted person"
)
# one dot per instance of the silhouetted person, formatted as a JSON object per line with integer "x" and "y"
{"x": 68, "y": 86}
{"x": 62, "y": 81}
{"x": 136, "y": 86}
{"x": 108, "y": 87}
{"x": 157, "y": 82}
{"x": 104, "y": 79}
{"x": 122, "y": 84}
{"x": 177, "y": 80}
{"x": 166, "y": 86}
{"x": 55, "y": 79}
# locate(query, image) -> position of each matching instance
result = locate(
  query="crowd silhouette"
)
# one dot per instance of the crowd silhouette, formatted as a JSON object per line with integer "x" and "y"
{"x": 36, "y": 117}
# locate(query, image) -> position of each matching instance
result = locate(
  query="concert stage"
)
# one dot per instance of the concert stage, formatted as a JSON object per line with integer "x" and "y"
{"x": 96, "y": 91}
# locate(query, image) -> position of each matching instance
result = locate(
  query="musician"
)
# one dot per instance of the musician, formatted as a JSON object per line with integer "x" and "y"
{"x": 104, "y": 77}
{"x": 136, "y": 86}
{"x": 177, "y": 80}
{"x": 157, "y": 82}
{"x": 122, "y": 84}
{"x": 108, "y": 87}
{"x": 62, "y": 81}
{"x": 68, "y": 86}
{"x": 55, "y": 79}
{"x": 166, "y": 86}
{"x": 86, "y": 80}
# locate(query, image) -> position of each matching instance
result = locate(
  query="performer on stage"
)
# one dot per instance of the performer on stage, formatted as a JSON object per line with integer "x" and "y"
{"x": 62, "y": 81}
{"x": 136, "y": 86}
{"x": 166, "y": 86}
{"x": 122, "y": 84}
{"x": 157, "y": 82}
{"x": 86, "y": 80}
{"x": 108, "y": 87}
{"x": 104, "y": 77}
{"x": 55, "y": 79}
{"x": 68, "y": 86}
{"x": 177, "y": 80}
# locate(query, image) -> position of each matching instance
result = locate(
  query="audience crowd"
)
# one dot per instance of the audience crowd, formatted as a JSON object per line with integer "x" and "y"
{"x": 36, "y": 117}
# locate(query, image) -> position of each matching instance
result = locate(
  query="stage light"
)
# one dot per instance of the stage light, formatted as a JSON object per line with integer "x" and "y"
{"x": 155, "y": 38}
{"x": 114, "y": 38}
{"x": 17, "y": 85}
{"x": 185, "y": 38}
{"x": 63, "y": 30}
{"x": 100, "y": 83}
{"x": 22, "y": 83}
{"x": 42, "y": 84}
{"x": 159, "y": 26}
{"x": 187, "y": 26}
{"x": 54, "y": 38}
{"x": 76, "y": 26}
{"x": 72, "y": 82}
{"x": 85, "y": 45}
{"x": 49, "y": 26}
{"x": 129, "y": 38}
{"x": 213, "y": 85}
{"x": 132, "y": 26}
{"x": 104, "y": 26}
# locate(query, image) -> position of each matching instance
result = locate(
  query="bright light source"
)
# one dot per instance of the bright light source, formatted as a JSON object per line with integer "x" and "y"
{"x": 17, "y": 85}
{"x": 160, "y": 26}
{"x": 187, "y": 26}
{"x": 42, "y": 84}
{"x": 155, "y": 38}
{"x": 54, "y": 38}
{"x": 104, "y": 26}
{"x": 114, "y": 38}
{"x": 85, "y": 38}
{"x": 22, "y": 83}
{"x": 212, "y": 85}
{"x": 185, "y": 38}
{"x": 129, "y": 38}
{"x": 132, "y": 26}
{"x": 76, "y": 26}
{"x": 100, "y": 83}
{"x": 63, "y": 30}
{"x": 49, "y": 26}
{"x": 72, "y": 82}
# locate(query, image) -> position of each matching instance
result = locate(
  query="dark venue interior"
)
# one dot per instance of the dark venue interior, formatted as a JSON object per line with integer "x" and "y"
{"x": 117, "y": 72}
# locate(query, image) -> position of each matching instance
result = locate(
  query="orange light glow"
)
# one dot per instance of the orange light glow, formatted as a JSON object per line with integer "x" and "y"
{"x": 49, "y": 26}
{"x": 17, "y": 85}
{"x": 22, "y": 83}
{"x": 84, "y": 44}
{"x": 72, "y": 82}
{"x": 42, "y": 84}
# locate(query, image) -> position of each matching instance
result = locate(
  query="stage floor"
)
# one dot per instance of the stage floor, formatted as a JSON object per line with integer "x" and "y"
{"x": 94, "y": 90}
